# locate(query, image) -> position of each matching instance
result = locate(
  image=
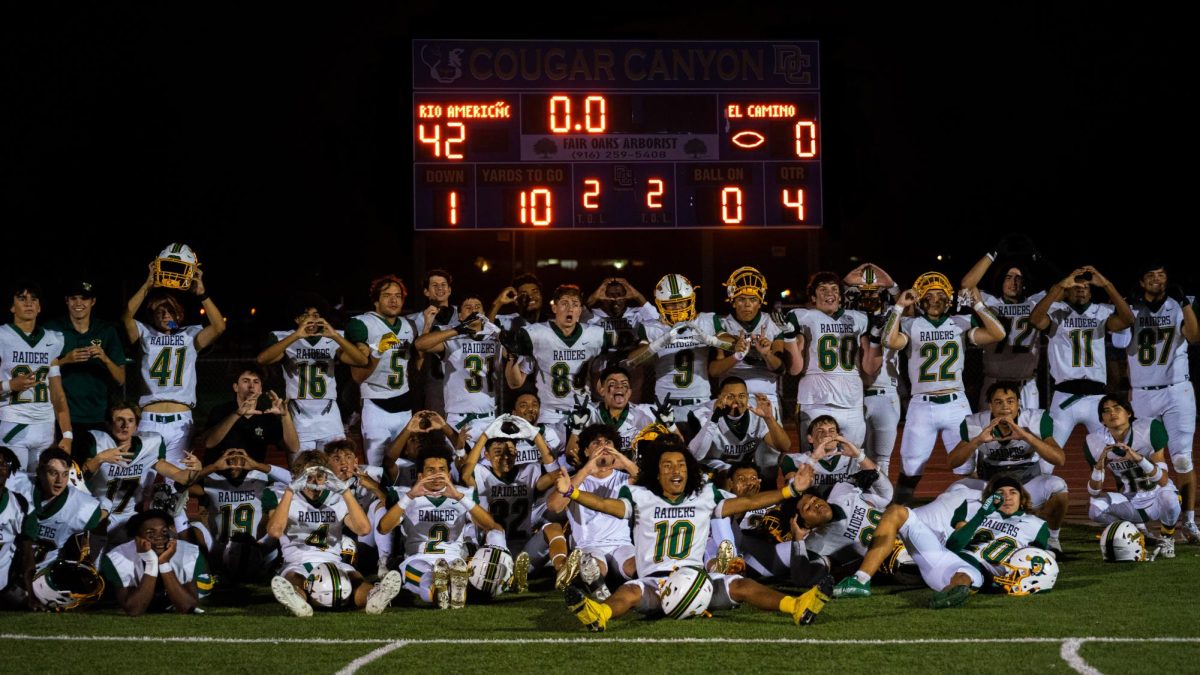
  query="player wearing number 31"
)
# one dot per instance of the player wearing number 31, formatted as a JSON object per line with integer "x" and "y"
{"x": 934, "y": 341}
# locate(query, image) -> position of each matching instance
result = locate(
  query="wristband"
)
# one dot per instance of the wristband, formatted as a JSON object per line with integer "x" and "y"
{"x": 979, "y": 306}
{"x": 550, "y": 468}
{"x": 574, "y": 494}
{"x": 496, "y": 538}
{"x": 68, "y": 434}
{"x": 403, "y": 502}
{"x": 788, "y": 493}
{"x": 738, "y": 356}
{"x": 150, "y": 560}
{"x": 991, "y": 255}
{"x": 1098, "y": 475}
{"x": 166, "y": 568}
{"x": 202, "y": 297}
{"x": 54, "y": 371}
{"x": 1146, "y": 466}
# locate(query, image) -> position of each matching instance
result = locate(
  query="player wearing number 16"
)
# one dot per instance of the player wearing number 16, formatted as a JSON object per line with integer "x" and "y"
{"x": 936, "y": 345}
{"x": 169, "y": 348}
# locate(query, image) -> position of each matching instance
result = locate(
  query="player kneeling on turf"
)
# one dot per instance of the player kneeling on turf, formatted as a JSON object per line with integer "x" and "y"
{"x": 155, "y": 571}
{"x": 308, "y": 521}
{"x": 671, "y": 507}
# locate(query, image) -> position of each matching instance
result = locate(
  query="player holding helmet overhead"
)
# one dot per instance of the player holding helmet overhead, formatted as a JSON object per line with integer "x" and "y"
{"x": 169, "y": 348}
{"x": 935, "y": 343}
{"x": 869, "y": 289}
{"x": 758, "y": 351}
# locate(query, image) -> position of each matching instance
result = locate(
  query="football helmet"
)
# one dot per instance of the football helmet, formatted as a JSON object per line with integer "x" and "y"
{"x": 327, "y": 585}
{"x": 685, "y": 593}
{"x": 901, "y": 566}
{"x": 1028, "y": 570}
{"x": 933, "y": 281}
{"x": 647, "y": 433}
{"x": 75, "y": 478}
{"x": 1122, "y": 542}
{"x": 675, "y": 298}
{"x": 175, "y": 266}
{"x": 491, "y": 570}
{"x": 746, "y": 281}
{"x": 64, "y": 585}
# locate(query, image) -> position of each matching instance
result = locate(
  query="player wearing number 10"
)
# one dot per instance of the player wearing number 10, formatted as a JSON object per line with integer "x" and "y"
{"x": 935, "y": 341}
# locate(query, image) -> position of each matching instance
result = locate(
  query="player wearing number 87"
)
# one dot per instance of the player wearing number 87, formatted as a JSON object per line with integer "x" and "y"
{"x": 671, "y": 508}
{"x": 936, "y": 344}
{"x": 169, "y": 350}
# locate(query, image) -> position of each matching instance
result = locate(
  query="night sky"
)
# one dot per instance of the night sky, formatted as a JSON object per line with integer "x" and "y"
{"x": 276, "y": 142}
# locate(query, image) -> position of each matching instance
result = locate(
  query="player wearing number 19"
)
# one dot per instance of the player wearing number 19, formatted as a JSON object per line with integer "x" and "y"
{"x": 168, "y": 347}
{"x": 936, "y": 345}
{"x": 671, "y": 508}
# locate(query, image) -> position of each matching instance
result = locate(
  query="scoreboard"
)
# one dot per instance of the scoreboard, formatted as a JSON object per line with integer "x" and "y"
{"x": 615, "y": 135}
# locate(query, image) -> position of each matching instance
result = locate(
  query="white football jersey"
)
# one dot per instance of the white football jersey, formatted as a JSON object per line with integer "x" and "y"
{"x": 753, "y": 368}
{"x": 622, "y": 332}
{"x": 308, "y": 374}
{"x": 669, "y": 534}
{"x": 1016, "y": 356}
{"x": 13, "y": 509}
{"x": 1157, "y": 350}
{"x": 52, "y": 524}
{"x": 235, "y": 507}
{"x": 510, "y": 502}
{"x": 731, "y": 441}
{"x": 936, "y": 351}
{"x": 434, "y": 525}
{"x": 855, "y": 516}
{"x": 123, "y": 488}
{"x": 527, "y": 452}
{"x": 469, "y": 367}
{"x": 168, "y": 364}
{"x": 314, "y": 529}
{"x": 390, "y": 377}
{"x": 829, "y": 471}
{"x": 634, "y": 418}
{"x": 681, "y": 367}
{"x": 1076, "y": 346}
{"x": 592, "y": 528}
{"x": 1015, "y": 457}
{"x": 23, "y": 354}
{"x": 889, "y": 374}
{"x": 831, "y": 346}
{"x": 1000, "y": 535}
{"x": 123, "y": 567}
{"x": 1146, "y": 436}
{"x": 559, "y": 358}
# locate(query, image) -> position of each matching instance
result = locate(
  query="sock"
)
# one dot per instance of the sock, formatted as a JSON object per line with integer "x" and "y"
{"x": 787, "y": 605}
{"x": 1189, "y": 516}
{"x": 862, "y": 577}
{"x": 558, "y": 549}
{"x": 1167, "y": 531}
{"x": 1054, "y": 534}
{"x": 605, "y": 612}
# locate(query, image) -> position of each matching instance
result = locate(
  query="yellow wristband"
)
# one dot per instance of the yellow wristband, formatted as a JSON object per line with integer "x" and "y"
{"x": 574, "y": 494}
{"x": 787, "y": 491}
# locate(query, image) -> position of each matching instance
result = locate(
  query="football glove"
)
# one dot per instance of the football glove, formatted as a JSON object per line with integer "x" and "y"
{"x": 579, "y": 416}
{"x": 990, "y": 504}
{"x": 664, "y": 412}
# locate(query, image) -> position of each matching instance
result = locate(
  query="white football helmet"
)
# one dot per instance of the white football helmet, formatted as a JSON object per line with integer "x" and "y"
{"x": 1029, "y": 570}
{"x": 175, "y": 266}
{"x": 675, "y": 297}
{"x": 685, "y": 593}
{"x": 491, "y": 570}
{"x": 1122, "y": 542}
{"x": 328, "y": 585}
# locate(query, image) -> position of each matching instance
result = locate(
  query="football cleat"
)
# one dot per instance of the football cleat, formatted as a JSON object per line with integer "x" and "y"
{"x": 287, "y": 596}
{"x": 809, "y": 605}
{"x": 1054, "y": 545}
{"x": 441, "y": 584}
{"x": 589, "y": 574}
{"x": 585, "y": 609}
{"x": 1165, "y": 548}
{"x": 520, "y": 577}
{"x": 569, "y": 571}
{"x": 852, "y": 588}
{"x": 460, "y": 577}
{"x": 955, "y": 597}
{"x": 725, "y": 555}
{"x": 384, "y": 592}
{"x": 1191, "y": 533}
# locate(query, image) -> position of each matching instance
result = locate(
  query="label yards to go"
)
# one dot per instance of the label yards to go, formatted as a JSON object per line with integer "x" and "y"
{"x": 620, "y": 147}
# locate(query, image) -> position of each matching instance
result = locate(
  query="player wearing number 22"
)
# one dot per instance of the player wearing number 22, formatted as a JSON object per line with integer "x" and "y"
{"x": 935, "y": 343}
{"x": 671, "y": 508}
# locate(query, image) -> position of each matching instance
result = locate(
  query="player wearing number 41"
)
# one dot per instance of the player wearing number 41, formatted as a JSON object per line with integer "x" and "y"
{"x": 1134, "y": 451}
{"x": 1165, "y": 324}
{"x": 31, "y": 383}
{"x": 968, "y": 559}
{"x": 308, "y": 519}
{"x": 169, "y": 348}
{"x": 309, "y": 354}
{"x": 671, "y": 508}
{"x": 935, "y": 342}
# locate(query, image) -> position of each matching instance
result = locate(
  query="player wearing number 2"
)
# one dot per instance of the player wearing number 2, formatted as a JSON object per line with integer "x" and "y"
{"x": 936, "y": 346}
{"x": 169, "y": 348}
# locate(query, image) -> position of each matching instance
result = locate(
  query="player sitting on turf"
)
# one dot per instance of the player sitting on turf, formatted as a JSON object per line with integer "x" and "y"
{"x": 308, "y": 520}
{"x": 364, "y": 482}
{"x": 1135, "y": 451}
{"x": 671, "y": 507}
{"x": 743, "y": 545}
{"x": 835, "y": 459}
{"x": 830, "y": 531}
{"x": 155, "y": 571}
{"x": 969, "y": 558}
{"x": 434, "y": 513}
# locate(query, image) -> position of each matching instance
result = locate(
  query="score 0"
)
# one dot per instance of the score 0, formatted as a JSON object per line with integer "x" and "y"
{"x": 595, "y": 115}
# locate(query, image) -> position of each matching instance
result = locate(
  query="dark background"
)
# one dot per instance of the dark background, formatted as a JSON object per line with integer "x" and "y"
{"x": 276, "y": 141}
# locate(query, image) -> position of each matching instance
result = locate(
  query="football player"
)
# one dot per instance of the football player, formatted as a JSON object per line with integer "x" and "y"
{"x": 967, "y": 559}
{"x": 469, "y": 350}
{"x": 1134, "y": 450}
{"x": 169, "y": 348}
{"x": 835, "y": 459}
{"x": 525, "y": 295}
{"x": 935, "y": 342}
{"x": 34, "y": 396}
{"x": 758, "y": 351}
{"x": 434, "y": 514}
{"x": 387, "y": 339}
{"x": 833, "y": 356}
{"x": 426, "y": 429}
{"x": 732, "y": 432}
{"x": 1165, "y": 324}
{"x": 308, "y": 520}
{"x": 13, "y": 508}
{"x": 308, "y": 355}
{"x": 615, "y": 410}
{"x": 1009, "y": 440}
{"x": 828, "y": 533}
{"x": 439, "y": 313}
{"x": 366, "y": 484}
{"x": 670, "y": 508}
{"x": 1077, "y": 328}
{"x": 155, "y": 571}
{"x": 869, "y": 289}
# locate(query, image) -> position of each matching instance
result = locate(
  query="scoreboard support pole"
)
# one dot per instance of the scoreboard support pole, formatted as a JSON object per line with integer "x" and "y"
{"x": 706, "y": 266}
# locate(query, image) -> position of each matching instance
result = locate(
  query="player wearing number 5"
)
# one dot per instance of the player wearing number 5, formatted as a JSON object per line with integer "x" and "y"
{"x": 30, "y": 383}
{"x": 936, "y": 345}
{"x": 309, "y": 354}
{"x": 168, "y": 347}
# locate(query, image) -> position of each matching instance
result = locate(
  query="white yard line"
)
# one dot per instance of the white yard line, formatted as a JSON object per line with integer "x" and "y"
{"x": 1070, "y": 654}
{"x": 363, "y": 660}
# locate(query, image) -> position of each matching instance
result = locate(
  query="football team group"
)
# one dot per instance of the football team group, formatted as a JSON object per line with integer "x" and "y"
{"x": 635, "y": 451}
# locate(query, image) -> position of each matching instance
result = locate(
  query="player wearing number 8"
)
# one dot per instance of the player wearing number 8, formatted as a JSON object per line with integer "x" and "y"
{"x": 936, "y": 346}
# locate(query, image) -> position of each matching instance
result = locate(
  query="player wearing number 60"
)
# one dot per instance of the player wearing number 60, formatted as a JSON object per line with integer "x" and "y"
{"x": 671, "y": 508}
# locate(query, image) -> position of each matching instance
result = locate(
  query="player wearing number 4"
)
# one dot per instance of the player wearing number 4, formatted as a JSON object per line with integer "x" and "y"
{"x": 671, "y": 508}
{"x": 309, "y": 354}
{"x": 32, "y": 385}
{"x": 169, "y": 348}
{"x": 935, "y": 343}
